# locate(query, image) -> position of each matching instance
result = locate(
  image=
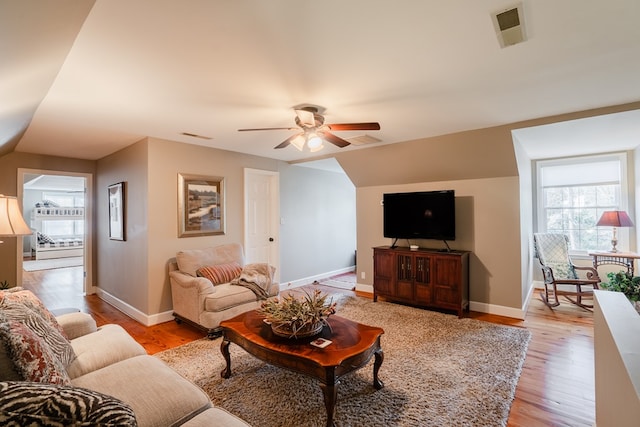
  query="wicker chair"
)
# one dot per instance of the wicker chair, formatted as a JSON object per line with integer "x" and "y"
{"x": 552, "y": 250}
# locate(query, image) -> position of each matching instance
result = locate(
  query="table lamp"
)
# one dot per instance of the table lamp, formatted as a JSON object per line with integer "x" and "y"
{"x": 614, "y": 219}
{"x": 11, "y": 221}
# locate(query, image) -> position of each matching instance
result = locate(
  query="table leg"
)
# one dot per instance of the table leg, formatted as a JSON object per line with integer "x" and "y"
{"x": 224, "y": 349}
{"x": 330, "y": 392}
{"x": 379, "y": 357}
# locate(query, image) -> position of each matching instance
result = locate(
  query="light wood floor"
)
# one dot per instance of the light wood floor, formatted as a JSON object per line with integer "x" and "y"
{"x": 556, "y": 387}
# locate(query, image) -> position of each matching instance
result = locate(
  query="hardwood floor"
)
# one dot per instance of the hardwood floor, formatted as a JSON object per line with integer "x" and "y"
{"x": 556, "y": 387}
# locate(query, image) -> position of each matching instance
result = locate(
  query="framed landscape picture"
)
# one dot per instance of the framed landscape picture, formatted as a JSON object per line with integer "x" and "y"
{"x": 116, "y": 211}
{"x": 200, "y": 205}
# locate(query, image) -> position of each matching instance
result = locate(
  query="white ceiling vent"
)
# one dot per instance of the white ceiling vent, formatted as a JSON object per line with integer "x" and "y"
{"x": 509, "y": 25}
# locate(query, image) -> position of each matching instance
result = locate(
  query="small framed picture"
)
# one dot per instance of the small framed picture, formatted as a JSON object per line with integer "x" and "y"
{"x": 200, "y": 205}
{"x": 116, "y": 211}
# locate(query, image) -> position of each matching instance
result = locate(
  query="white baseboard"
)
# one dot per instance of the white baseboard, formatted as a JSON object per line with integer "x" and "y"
{"x": 364, "y": 288}
{"x": 499, "y": 310}
{"x": 134, "y": 313}
{"x": 318, "y": 277}
{"x": 516, "y": 313}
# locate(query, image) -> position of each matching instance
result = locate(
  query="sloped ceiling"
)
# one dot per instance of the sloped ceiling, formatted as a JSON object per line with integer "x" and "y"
{"x": 88, "y": 78}
{"x": 35, "y": 38}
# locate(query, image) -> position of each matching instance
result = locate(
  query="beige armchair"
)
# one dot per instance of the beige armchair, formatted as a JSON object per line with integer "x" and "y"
{"x": 201, "y": 302}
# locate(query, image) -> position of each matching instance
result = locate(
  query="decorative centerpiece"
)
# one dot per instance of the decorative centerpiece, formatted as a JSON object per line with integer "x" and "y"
{"x": 293, "y": 317}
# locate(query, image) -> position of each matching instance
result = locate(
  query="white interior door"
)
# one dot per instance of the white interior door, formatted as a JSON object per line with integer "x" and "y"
{"x": 262, "y": 212}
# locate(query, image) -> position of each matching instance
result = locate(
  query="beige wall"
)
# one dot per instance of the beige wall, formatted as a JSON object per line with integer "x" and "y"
{"x": 122, "y": 265}
{"x": 318, "y": 211}
{"x": 526, "y": 192}
{"x": 481, "y": 167}
{"x": 486, "y": 216}
{"x": 474, "y": 158}
{"x": 166, "y": 160}
{"x": 9, "y": 164}
{"x": 135, "y": 271}
{"x": 482, "y": 153}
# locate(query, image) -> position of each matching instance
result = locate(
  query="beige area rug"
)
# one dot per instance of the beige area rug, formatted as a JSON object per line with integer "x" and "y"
{"x": 48, "y": 264}
{"x": 438, "y": 370}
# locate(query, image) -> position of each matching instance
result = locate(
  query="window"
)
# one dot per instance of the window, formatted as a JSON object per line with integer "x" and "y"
{"x": 573, "y": 193}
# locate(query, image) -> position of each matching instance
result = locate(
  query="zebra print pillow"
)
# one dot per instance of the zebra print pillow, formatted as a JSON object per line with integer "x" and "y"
{"x": 26, "y": 404}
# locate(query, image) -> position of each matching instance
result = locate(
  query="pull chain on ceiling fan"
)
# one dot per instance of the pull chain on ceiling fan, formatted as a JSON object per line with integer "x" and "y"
{"x": 315, "y": 131}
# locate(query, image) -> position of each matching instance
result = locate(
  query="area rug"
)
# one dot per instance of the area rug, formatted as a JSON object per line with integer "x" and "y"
{"x": 342, "y": 281}
{"x": 48, "y": 264}
{"x": 438, "y": 370}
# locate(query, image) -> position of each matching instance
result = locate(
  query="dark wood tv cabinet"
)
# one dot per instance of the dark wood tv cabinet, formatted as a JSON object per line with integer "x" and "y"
{"x": 427, "y": 278}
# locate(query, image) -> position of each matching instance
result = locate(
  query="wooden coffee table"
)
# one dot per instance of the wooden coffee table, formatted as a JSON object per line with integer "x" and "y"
{"x": 352, "y": 346}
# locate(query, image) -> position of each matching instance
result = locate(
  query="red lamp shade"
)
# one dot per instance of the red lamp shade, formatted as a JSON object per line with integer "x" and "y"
{"x": 615, "y": 219}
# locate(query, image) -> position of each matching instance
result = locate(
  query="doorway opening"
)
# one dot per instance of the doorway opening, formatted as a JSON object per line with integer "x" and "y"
{"x": 56, "y": 258}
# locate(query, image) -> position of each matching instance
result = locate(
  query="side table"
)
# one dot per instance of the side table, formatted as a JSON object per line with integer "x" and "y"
{"x": 624, "y": 259}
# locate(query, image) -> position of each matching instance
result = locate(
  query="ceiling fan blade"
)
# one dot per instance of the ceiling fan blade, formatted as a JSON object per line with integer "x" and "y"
{"x": 335, "y": 140}
{"x": 287, "y": 141}
{"x": 247, "y": 130}
{"x": 355, "y": 126}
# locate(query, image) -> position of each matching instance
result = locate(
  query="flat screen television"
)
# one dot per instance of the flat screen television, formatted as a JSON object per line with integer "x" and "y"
{"x": 420, "y": 215}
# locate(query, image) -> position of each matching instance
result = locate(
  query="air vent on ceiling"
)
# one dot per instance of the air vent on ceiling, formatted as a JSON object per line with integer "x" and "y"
{"x": 195, "y": 135}
{"x": 509, "y": 25}
{"x": 363, "y": 139}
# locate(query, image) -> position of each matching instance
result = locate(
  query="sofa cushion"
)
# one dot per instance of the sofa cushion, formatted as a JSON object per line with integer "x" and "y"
{"x": 158, "y": 395}
{"x": 215, "y": 417}
{"x": 221, "y": 273}
{"x": 22, "y": 310}
{"x": 108, "y": 345}
{"x": 32, "y": 359}
{"x": 227, "y": 296}
{"x": 36, "y": 404}
{"x": 190, "y": 260}
{"x": 77, "y": 324}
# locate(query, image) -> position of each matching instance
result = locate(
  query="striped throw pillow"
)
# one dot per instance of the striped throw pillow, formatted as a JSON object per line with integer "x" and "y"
{"x": 220, "y": 273}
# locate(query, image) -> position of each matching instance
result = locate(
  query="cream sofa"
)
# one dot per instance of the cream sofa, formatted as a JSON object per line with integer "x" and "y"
{"x": 110, "y": 376}
{"x": 200, "y": 302}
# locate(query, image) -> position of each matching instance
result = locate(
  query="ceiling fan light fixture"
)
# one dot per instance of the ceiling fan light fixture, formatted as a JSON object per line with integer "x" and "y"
{"x": 318, "y": 148}
{"x": 313, "y": 132}
{"x": 314, "y": 142}
{"x": 298, "y": 142}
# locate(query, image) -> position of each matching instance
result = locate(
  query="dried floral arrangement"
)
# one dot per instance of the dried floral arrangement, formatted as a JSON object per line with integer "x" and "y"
{"x": 297, "y": 317}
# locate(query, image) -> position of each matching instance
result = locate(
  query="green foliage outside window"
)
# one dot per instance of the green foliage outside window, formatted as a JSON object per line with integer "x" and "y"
{"x": 623, "y": 282}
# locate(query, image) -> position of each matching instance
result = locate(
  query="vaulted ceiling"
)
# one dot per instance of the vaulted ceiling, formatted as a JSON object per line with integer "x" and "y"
{"x": 83, "y": 78}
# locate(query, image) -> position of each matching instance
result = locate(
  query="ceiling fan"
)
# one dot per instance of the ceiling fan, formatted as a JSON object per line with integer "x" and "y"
{"x": 314, "y": 130}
